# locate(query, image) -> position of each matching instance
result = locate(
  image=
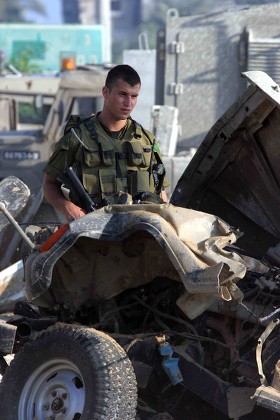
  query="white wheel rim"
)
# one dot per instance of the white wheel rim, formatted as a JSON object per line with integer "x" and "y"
{"x": 54, "y": 391}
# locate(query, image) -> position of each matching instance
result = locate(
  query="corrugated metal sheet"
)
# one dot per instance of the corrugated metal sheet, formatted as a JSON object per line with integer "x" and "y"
{"x": 265, "y": 55}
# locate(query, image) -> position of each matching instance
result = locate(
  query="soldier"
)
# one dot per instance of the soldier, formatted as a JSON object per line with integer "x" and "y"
{"x": 109, "y": 151}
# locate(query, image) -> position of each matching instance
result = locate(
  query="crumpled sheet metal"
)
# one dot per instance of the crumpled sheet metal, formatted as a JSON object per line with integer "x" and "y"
{"x": 14, "y": 195}
{"x": 214, "y": 271}
{"x": 11, "y": 286}
{"x": 204, "y": 234}
{"x": 190, "y": 249}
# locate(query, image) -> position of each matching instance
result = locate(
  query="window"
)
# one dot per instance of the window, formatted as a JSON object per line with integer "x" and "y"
{"x": 32, "y": 115}
{"x": 116, "y": 7}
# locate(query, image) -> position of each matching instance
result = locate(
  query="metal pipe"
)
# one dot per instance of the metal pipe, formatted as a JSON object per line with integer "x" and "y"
{"x": 4, "y": 210}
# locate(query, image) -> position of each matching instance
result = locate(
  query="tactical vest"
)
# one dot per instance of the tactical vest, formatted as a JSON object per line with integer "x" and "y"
{"x": 108, "y": 165}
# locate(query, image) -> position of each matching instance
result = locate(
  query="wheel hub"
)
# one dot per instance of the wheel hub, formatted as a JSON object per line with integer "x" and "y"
{"x": 51, "y": 393}
{"x": 57, "y": 405}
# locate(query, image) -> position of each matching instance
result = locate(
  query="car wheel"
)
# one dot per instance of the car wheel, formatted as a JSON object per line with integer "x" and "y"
{"x": 70, "y": 373}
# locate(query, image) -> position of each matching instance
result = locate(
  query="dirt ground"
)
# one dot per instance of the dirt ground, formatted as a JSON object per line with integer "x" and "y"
{"x": 193, "y": 408}
{"x": 188, "y": 406}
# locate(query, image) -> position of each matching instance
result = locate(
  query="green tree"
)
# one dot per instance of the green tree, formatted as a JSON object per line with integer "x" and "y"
{"x": 23, "y": 63}
{"x": 13, "y": 11}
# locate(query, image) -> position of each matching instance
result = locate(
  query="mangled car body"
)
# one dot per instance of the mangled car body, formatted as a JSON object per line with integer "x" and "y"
{"x": 134, "y": 300}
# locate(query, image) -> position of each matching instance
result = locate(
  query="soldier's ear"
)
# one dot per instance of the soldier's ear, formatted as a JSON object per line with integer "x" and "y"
{"x": 105, "y": 91}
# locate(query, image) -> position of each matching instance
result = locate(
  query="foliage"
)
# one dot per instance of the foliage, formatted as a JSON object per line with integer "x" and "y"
{"x": 23, "y": 63}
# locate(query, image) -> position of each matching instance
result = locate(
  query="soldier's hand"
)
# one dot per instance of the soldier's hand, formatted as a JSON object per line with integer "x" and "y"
{"x": 72, "y": 212}
{"x": 55, "y": 197}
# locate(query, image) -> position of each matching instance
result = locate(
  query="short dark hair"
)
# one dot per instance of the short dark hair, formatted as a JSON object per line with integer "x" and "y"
{"x": 123, "y": 72}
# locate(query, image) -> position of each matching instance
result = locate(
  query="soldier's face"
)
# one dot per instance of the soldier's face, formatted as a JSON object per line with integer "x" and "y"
{"x": 121, "y": 99}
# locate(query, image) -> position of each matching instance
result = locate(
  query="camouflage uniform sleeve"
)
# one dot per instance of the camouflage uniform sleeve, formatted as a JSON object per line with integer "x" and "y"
{"x": 63, "y": 155}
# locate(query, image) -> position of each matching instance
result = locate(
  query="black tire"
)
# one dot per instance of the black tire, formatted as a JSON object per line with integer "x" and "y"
{"x": 69, "y": 373}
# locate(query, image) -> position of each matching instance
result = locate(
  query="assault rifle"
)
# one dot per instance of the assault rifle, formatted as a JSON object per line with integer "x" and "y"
{"x": 73, "y": 183}
{"x": 157, "y": 170}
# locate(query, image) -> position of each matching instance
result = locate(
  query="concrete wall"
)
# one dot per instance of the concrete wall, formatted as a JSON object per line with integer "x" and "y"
{"x": 212, "y": 51}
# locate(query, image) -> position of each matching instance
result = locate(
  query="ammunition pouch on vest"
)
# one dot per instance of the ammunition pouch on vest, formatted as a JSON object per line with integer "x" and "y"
{"x": 107, "y": 165}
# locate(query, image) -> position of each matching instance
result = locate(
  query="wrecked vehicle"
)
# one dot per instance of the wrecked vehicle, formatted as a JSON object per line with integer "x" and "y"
{"x": 132, "y": 303}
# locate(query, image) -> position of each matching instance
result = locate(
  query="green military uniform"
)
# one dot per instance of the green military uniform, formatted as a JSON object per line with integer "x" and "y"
{"x": 107, "y": 162}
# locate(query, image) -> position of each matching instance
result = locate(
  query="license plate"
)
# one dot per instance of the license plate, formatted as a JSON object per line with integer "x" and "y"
{"x": 20, "y": 155}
